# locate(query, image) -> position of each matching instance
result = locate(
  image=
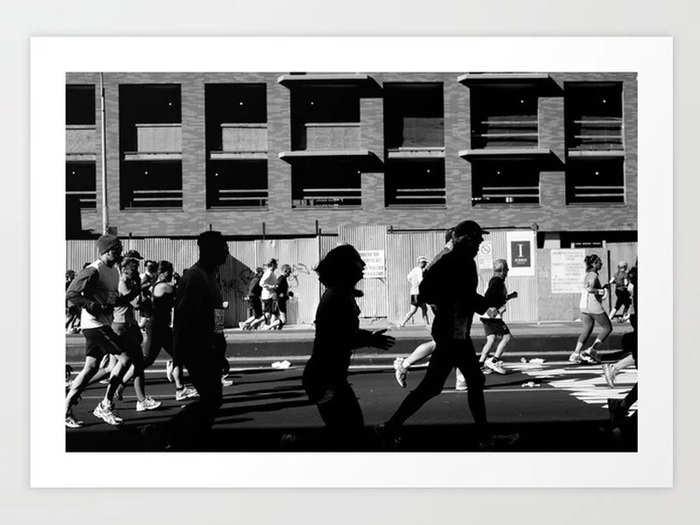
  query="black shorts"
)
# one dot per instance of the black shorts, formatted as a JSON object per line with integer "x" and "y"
{"x": 101, "y": 341}
{"x": 495, "y": 327}
{"x": 623, "y": 299}
{"x": 268, "y": 306}
{"x": 254, "y": 307}
{"x": 282, "y": 306}
{"x": 130, "y": 338}
{"x": 415, "y": 301}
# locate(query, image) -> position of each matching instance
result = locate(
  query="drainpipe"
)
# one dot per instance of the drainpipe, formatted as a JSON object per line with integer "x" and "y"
{"x": 103, "y": 154}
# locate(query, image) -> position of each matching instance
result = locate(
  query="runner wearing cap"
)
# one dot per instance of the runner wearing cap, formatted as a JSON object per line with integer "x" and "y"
{"x": 95, "y": 290}
{"x": 414, "y": 277}
{"x": 449, "y": 283}
{"x": 268, "y": 295}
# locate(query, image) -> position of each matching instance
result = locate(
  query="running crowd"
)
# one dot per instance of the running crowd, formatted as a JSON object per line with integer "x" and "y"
{"x": 126, "y": 320}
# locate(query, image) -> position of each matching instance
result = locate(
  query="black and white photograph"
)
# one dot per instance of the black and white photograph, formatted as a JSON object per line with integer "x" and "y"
{"x": 351, "y": 261}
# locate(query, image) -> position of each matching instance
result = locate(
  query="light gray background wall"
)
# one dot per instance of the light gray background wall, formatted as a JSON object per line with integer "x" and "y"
{"x": 19, "y": 504}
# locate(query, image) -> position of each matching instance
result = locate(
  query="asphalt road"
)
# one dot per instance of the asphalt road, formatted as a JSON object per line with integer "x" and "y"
{"x": 552, "y": 406}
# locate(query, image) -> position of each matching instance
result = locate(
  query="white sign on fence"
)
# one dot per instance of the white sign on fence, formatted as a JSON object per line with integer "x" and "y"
{"x": 485, "y": 256}
{"x": 568, "y": 270}
{"x": 374, "y": 259}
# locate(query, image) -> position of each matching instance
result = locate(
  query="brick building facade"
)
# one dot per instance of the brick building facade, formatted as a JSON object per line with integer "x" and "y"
{"x": 287, "y": 154}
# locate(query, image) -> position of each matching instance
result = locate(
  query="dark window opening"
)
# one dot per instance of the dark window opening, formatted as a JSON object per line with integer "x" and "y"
{"x": 594, "y": 116}
{"x": 414, "y": 115}
{"x": 237, "y": 184}
{"x": 157, "y": 104}
{"x": 151, "y": 184}
{"x": 233, "y": 104}
{"x": 321, "y": 183}
{"x": 595, "y": 181}
{"x": 505, "y": 183}
{"x": 325, "y": 118}
{"x": 81, "y": 185}
{"x": 503, "y": 117}
{"x": 80, "y": 105}
{"x": 416, "y": 182}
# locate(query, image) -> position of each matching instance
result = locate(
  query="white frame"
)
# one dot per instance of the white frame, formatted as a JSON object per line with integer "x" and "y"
{"x": 51, "y": 58}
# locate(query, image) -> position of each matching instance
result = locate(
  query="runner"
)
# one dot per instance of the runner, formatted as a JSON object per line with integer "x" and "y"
{"x": 622, "y": 293}
{"x": 283, "y": 295}
{"x": 95, "y": 290}
{"x": 162, "y": 294}
{"x": 414, "y": 277}
{"x": 255, "y": 313}
{"x": 338, "y": 333}
{"x": 194, "y": 342}
{"x": 449, "y": 283}
{"x": 125, "y": 326}
{"x": 591, "y": 312}
{"x": 402, "y": 365}
{"x": 268, "y": 296}
{"x": 494, "y": 325}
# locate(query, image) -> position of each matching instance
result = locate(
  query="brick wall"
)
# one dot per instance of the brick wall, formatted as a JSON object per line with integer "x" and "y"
{"x": 551, "y": 215}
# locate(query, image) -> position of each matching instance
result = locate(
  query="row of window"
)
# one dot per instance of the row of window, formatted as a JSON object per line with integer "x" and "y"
{"x": 328, "y": 117}
{"x": 333, "y": 183}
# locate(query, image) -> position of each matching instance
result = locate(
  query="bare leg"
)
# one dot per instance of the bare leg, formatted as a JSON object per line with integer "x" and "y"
{"x": 424, "y": 310}
{"x": 421, "y": 352}
{"x": 490, "y": 339}
{"x": 81, "y": 381}
{"x": 410, "y": 314}
{"x": 502, "y": 346}
{"x": 115, "y": 377}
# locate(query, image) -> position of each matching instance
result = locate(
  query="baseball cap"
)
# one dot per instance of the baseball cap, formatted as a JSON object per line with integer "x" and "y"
{"x": 469, "y": 228}
{"x": 133, "y": 254}
{"x": 422, "y": 258}
{"x": 106, "y": 242}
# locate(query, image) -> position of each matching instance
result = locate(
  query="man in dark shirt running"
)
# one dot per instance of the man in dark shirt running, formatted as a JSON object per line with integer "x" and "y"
{"x": 194, "y": 342}
{"x": 449, "y": 284}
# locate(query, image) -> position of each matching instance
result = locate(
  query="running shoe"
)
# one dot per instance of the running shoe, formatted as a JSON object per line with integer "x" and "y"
{"x": 71, "y": 422}
{"x": 496, "y": 366}
{"x": 575, "y": 357}
{"x": 169, "y": 370}
{"x": 591, "y": 356}
{"x": 185, "y": 393}
{"x": 147, "y": 404}
{"x": 609, "y": 374}
{"x": 226, "y": 382}
{"x": 461, "y": 386}
{"x": 400, "y": 372}
{"x": 105, "y": 412}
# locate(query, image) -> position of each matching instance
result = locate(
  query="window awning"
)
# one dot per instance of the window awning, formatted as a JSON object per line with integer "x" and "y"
{"x": 508, "y": 153}
{"x": 238, "y": 155}
{"x": 348, "y": 79}
{"x": 485, "y": 79}
{"x": 309, "y": 154}
{"x": 596, "y": 154}
{"x": 416, "y": 153}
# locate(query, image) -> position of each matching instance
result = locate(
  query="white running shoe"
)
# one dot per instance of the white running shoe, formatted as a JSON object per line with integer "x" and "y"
{"x": 226, "y": 382}
{"x": 147, "y": 404}
{"x": 186, "y": 393}
{"x": 400, "y": 372}
{"x": 461, "y": 386}
{"x": 169, "y": 370}
{"x": 590, "y": 355}
{"x": 575, "y": 357}
{"x": 496, "y": 366}
{"x": 609, "y": 374}
{"x": 106, "y": 413}
{"x": 71, "y": 422}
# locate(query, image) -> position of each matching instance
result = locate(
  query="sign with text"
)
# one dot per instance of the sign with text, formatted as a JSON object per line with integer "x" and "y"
{"x": 567, "y": 270}
{"x": 485, "y": 256}
{"x": 374, "y": 260}
{"x": 521, "y": 253}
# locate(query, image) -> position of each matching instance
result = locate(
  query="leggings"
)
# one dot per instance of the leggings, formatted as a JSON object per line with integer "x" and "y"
{"x": 589, "y": 320}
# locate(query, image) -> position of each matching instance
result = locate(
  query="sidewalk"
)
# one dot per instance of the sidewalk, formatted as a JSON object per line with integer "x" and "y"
{"x": 295, "y": 342}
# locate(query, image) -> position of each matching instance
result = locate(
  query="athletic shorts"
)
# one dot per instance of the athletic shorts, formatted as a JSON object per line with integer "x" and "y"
{"x": 268, "y": 306}
{"x": 495, "y": 327}
{"x": 130, "y": 338}
{"x": 415, "y": 301}
{"x": 101, "y": 341}
{"x": 254, "y": 307}
{"x": 623, "y": 299}
{"x": 282, "y": 306}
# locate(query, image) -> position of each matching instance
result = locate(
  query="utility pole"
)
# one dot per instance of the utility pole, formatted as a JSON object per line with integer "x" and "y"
{"x": 103, "y": 156}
